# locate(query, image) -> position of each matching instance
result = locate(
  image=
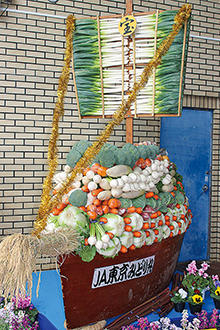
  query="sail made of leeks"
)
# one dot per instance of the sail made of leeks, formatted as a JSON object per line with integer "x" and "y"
{"x": 102, "y": 83}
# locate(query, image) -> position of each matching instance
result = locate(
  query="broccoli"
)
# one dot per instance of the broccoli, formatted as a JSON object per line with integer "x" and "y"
{"x": 132, "y": 154}
{"x": 82, "y": 146}
{"x": 78, "y": 198}
{"x": 73, "y": 157}
{"x": 143, "y": 150}
{"x": 154, "y": 150}
{"x": 107, "y": 156}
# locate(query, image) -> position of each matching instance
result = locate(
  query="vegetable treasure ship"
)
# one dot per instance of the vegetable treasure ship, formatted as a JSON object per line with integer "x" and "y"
{"x": 118, "y": 214}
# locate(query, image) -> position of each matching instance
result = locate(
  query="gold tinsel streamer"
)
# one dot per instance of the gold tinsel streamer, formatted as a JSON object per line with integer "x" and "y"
{"x": 47, "y": 203}
{"x": 52, "y": 156}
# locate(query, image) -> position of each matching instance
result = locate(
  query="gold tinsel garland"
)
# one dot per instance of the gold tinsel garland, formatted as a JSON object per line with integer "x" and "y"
{"x": 46, "y": 202}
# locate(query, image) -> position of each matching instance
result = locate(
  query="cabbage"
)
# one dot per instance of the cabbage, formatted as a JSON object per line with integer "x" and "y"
{"x": 115, "y": 224}
{"x": 113, "y": 248}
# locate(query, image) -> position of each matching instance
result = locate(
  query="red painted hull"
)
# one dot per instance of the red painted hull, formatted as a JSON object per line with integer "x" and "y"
{"x": 84, "y": 305}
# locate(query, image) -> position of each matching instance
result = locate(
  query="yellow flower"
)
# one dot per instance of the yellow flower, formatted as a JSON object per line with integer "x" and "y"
{"x": 197, "y": 299}
{"x": 217, "y": 291}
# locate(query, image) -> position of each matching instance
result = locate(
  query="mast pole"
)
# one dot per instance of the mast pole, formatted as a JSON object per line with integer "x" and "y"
{"x": 129, "y": 119}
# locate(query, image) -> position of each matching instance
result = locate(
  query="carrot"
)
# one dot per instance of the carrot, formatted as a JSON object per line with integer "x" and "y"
{"x": 172, "y": 193}
{"x": 92, "y": 215}
{"x": 123, "y": 249}
{"x": 114, "y": 211}
{"x": 110, "y": 234}
{"x": 85, "y": 189}
{"x": 171, "y": 235}
{"x": 147, "y": 233}
{"x": 156, "y": 240}
{"x": 99, "y": 210}
{"x": 185, "y": 206}
{"x": 87, "y": 169}
{"x": 158, "y": 213}
{"x": 97, "y": 202}
{"x": 96, "y": 192}
{"x": 132, "y": 247}
{"x": 82, "y": 208}
{"x": 146, "y": 226}
{"x": 175, "y": 188}
{"x": 179, "y": 224}
{"x": 67, "y": 200}
{"x": 91, "y": 208}
{"x": 174, "y": 218}
{"x": 154, "y": 215}
{"x": 55, "y": 211}
{"x": 95, "y": 167}
{"x": 138, "y": 210}
{"x": 178, "y": 206}
{"x": 156, "y": 231}
{"x": 160, "y": 223}
{"x": 149, "y": 194}
{"x": 103, "y": 219}
{"x": 119, "y": 203}
{"x": 156, "y": 196}
{"x": 102, "y": 170}
{"x": 86, "y": 242}
{"x": 131, "y": 209}
{"x": 182, "y": 216}
{"x": 147, "y": 162}
{"x": 167, "y": 222}
{"x": 167, "y": 218}
{"x": 105, "y": 202}
{"x": 140, "y": 163}
{"x": 171, "y": 227}
{"x": 61, "y": 206}
{"x": 54, "y": 192}
{"x": 137, "y": 233}
{"x": 127, "y": 228}
{"x": 152, "y": 225}
{"x": 127, "y": 220}
{"x": 113, "y": 203}
{"x": 105, "y": 209}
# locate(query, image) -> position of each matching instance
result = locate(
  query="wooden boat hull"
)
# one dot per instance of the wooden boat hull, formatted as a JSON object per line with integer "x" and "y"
{"x": 89, "y": 298}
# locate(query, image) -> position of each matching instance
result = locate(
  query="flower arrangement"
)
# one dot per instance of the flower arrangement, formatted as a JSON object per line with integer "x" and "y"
{"x": 214, "y": 287}
{"x": 201, "y": 321}
{"x": 179, "y": 296}
{"x": 18, "y": 314}
{"x": 195, "y": 281}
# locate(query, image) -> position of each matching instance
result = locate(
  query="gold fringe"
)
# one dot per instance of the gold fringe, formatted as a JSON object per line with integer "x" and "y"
{"x": 46, "y": 203}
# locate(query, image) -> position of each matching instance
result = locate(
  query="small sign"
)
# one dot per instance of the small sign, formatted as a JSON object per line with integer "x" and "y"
{"x": 127, "y": 25}
{"x": 122, "y": 272}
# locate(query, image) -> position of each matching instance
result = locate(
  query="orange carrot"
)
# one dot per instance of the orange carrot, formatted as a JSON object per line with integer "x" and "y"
{"x": 97, "y": 202}
{"x": 156, "y": 231}
{"x": 55, "y": 211}
{"x": 149, "y": 194}
{"x": 156, "y": 240}
{"x": 167, "y": 218}
{"x": 131, "y": 209}
{"x": 172, "y": 193}
{"x": 146, "y": 226}
{"x": 127, "y": 220}
{"x": 113, "y": 203}
{"x": 174, "y": 218}
{"x": 103, "y": 219}
{"x": 167, "y": 222}
{"x": 92, "y": 215}
{"x": 138, "y": 210}
{"x": 152, "y": 225}
{"x": 96, "y": 192}
{"x": 171, "y": 227}
{"x": 99, "y": 210}
{"x": 137, "y": 233}
{"x": 171, "y": 235}
{"x": 91, "y": 207}
{"x": 102, "y": 170}
{"x": 105, "y": 209}
{"x": 95, "y": 167}
{"x": 119, "y": 203}
{"x": 178, "y": 206}
{"x": 110, "y": 234}
{"x": 154, "y": 215}
{"x": 147, "y": 162}
{"x": 82, "y": 208}
{"x": 160, "y": 223}
{"x": 86, "y": 242}
{"x": 114, "y": 211}
{"x": 123, "y": 249}
{"x": 147, "y": 233}
{"x": 140, "y": 163}
{"x": 156, "y": 196}
{"x": 158, "y": 213}
{"x": 128, "y": 228}
{"x": 54, "y": 192}
{"x": 61, "y": 206}
{"x": 132, "y": 247}
{"x": 175, "y": 188}
{"x": 85, "y": 189}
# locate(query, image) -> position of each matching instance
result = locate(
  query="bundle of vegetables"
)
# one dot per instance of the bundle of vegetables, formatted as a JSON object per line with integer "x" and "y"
{"x": 122, "y": 206}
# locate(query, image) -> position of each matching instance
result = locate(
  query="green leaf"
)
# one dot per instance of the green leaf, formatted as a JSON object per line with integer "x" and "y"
{"x": 87, "y": 253}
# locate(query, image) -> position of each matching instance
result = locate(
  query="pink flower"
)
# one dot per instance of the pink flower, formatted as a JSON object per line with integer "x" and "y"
{"x": 205, "y": 266}
{"x": 201, "y": 271}
{"x": 192, "y": 269}
{"x": 205, "y": 275}
{"x": 215, "y": 277}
